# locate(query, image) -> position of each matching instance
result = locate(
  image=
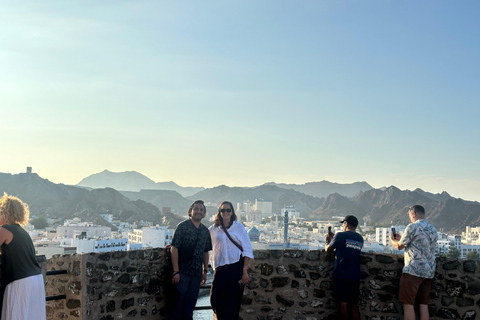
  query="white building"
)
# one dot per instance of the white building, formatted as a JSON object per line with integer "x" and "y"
{"x": 151, "y": 237}
{"x": 74, "y": 228}
{"x": 265, "y": 207}
{"x": 49, "y": 248}
{"x": 292, "y": 212}
{"x": 254, "y": 216}
{"x": 382, "y": 235}
{"x": 99, "y": 245}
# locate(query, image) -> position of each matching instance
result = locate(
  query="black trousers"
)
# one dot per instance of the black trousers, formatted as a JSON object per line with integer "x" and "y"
{"x": 226, "y": 293}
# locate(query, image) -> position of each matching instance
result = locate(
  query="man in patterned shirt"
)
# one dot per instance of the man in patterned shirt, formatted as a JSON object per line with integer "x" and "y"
{"x": 419, "y": 240}
{"x": 190, "y": 245}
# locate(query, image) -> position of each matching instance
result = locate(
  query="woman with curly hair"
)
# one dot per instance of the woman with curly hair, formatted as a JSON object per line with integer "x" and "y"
{"x": 24, "y": 297}
{"x": 231, "y": 253}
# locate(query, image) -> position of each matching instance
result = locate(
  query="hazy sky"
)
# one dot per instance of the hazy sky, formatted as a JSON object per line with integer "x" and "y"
{"x": 244, "y": 92}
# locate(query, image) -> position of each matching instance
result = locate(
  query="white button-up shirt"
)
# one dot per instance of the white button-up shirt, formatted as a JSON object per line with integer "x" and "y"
{"x": 224, "y": 252}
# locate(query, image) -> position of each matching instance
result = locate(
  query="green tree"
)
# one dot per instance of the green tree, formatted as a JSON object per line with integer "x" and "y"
{"x": 472, "y": 255}
{"x": 453, "y": 252}
{"x": 40, "y": 222}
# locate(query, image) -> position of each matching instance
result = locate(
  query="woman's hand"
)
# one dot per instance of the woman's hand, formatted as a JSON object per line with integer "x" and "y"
{"x": 245, "y": 278}
{"x": 204, "y": 278}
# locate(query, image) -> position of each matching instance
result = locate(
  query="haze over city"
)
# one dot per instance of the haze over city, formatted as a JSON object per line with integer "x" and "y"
{"x": 244, "y": 92}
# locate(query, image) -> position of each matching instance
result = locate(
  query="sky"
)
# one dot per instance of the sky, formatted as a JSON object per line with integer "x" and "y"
{"x": 242, "y": 93}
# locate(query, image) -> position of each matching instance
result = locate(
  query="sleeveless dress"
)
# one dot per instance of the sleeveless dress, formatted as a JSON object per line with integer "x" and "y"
{"x": 24, "y": 297}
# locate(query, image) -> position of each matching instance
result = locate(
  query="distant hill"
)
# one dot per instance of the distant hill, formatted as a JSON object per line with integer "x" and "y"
{"x": 377, "y": 207}
{"x": 389, "y": 207}
{"x": 279, "y": 196}
{"x": 167, "y": 198}
{"x": 132, "y": 181}
{"x": 66, "y": 202}
{"x": 323, "y": 189}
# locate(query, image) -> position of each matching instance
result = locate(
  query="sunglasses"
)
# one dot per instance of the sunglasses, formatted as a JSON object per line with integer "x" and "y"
{"x": 225, "y": 210}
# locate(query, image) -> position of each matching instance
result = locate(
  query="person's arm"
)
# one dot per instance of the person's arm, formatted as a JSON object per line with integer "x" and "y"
{"x": 328, "y": 248}
{"x": 176, "y": 270}
{"x": 245, "y": 277}
{"x": 205, "y": 267}
{"x": 328, "y": 242}
{"x": 5, "y": 236}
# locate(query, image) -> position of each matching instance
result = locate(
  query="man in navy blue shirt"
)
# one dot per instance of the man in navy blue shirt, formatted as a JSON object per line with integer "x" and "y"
{"x": 346, "y": 273}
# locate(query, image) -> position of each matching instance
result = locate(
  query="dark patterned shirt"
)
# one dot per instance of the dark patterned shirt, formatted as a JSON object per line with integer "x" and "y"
{"x": 192, "y": 243}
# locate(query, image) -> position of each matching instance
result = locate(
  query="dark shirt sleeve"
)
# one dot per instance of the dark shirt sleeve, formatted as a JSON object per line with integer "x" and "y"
{"x": 177, "y": 236}
{"x": 334, "y": 243}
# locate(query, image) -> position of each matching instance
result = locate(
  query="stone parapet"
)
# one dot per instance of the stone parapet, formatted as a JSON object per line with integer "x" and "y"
{"x": 285, "y": 284}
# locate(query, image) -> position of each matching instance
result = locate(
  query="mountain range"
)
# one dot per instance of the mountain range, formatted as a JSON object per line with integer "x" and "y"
{"x": 377, "y": 207}
{"x": 59, "y": 201}
{"x": 132, "y": 181}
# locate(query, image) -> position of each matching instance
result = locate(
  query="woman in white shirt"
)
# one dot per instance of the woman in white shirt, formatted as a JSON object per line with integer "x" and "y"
{"x": 229, "y": 258}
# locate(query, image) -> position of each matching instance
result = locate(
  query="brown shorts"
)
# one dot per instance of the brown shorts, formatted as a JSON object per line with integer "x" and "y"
{"x": 414, "y": 289}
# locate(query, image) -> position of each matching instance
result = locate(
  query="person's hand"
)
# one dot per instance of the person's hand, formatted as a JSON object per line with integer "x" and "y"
{"x": 204, "y": 278}
{"x": 245, "y": 278}
{"x": 329, "y": 237}
{"x": 176, "y": 278}
{"x": 397, "y": 237}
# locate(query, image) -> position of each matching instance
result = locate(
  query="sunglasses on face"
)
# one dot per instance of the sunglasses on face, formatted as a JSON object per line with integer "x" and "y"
{"x": 225, "y": 210}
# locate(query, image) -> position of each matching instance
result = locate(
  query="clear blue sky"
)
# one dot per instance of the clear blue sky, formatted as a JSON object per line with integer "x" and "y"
{"x": 244, "y": 92}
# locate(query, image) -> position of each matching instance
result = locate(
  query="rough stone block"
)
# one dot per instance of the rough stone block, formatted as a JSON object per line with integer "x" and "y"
{"x": 284, "y": 301}
{"x": 469, "y": 266}
{"x": 470, "y": 315}
{"x": 295, "y": 284}
{"x": 281, "y": 270}
{"x": 266, "y": 269}
{"x": 318, "y": 293}
{"x": 384, "y": 259}
{"x": 446, "y": 313}
{"x": 447, "y": 300}
{"x": 314, "y": 275}
{"x": 455, "y": 288}
{"x": 390, "y": 308}
{"x": 451, "y": 265}
{"x": 473, "y": 288}
{"x": 110, "y": 306}
{"x": 73, "y": 303}
{"x": 261, "y": 255}
{"x": 464, "y": 302}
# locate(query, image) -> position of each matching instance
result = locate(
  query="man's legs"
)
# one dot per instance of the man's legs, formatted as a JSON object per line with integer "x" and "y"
{"x": 409, "y": 312}
{"x": 424, "y": 315}
{"x": 354, "y": 311}
{"x": 181, "y": 287}
{"x": 344, "y": 310}
{"x": 346, "y": 294}
{"x": 188, "y": 289}
{"x": 191, "y": 296}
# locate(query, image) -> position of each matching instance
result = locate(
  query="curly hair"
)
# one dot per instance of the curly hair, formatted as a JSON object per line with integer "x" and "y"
{"x": 13, "y": 210}
{"x": 218, "y": 217}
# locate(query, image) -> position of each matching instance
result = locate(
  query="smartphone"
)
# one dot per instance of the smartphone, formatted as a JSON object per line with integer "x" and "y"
{"x": 393, "y": 231}
{"x": 329, "y": 229}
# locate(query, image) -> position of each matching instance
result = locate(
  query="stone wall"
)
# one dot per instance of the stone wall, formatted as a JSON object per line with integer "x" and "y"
{"x": 111, "y": 285}
{"x": 285, "y": 285}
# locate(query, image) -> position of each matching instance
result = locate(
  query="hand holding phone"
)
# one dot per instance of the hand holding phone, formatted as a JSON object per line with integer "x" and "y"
{"x": 394, "y": 234}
